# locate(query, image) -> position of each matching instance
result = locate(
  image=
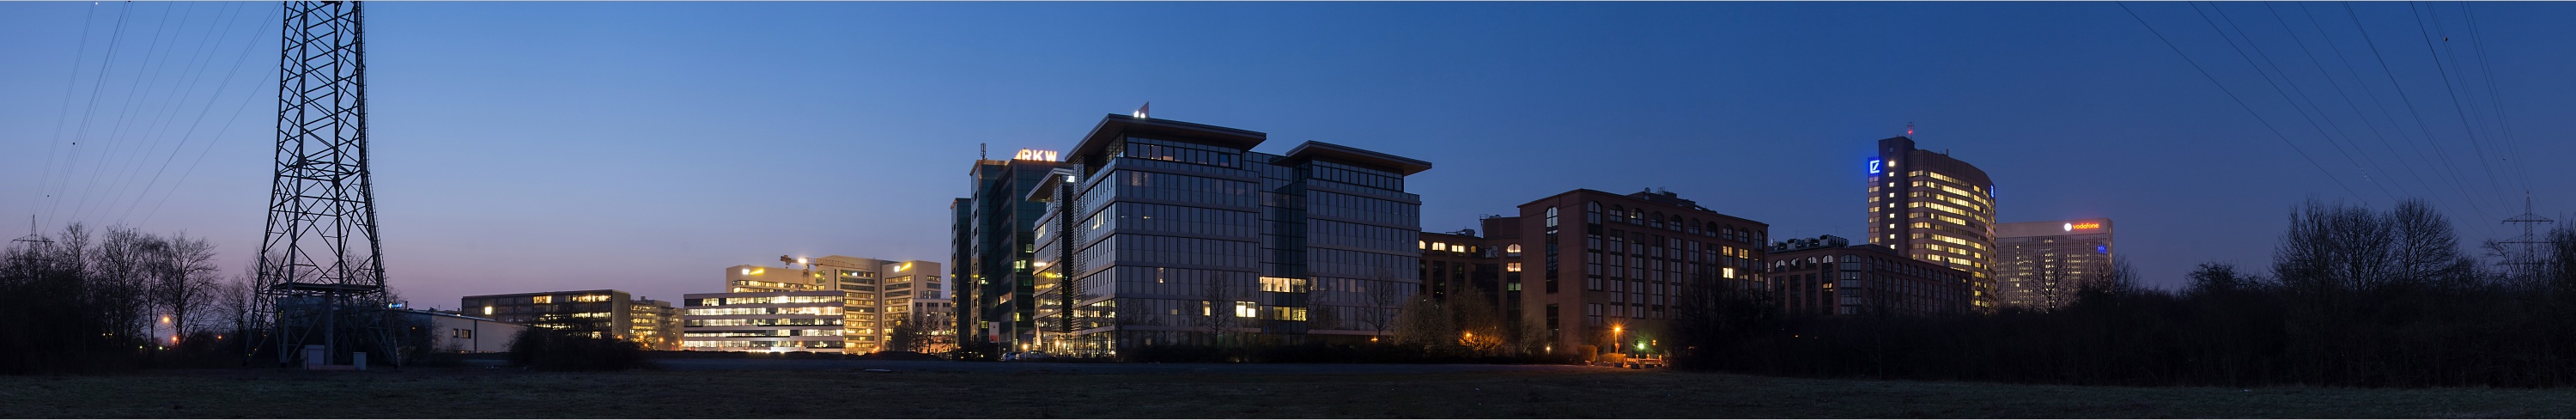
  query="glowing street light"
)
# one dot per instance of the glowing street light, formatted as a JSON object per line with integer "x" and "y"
{"x": 1615, "y": 330}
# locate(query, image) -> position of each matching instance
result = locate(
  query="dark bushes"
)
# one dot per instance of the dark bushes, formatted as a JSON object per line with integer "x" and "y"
{"x": 1322, "y": 353}
{"x": 557, "y": 350}
{"x": 2356, "y": 298}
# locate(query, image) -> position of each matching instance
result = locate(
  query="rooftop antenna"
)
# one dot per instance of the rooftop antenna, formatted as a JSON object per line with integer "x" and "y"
{"x": 983, "y": 151}
{"x": 1909, "y": 128}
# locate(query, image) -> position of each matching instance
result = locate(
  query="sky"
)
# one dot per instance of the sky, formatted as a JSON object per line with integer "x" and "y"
{"x": 524, "y": 147}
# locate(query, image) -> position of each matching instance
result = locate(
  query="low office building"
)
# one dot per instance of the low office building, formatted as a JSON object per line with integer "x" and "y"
{"x": 875, "y": 293}
{"x": 2041, "y": 265}
{"x": 453, "y": 333}
{"x": 763, "y": 321}
{"x": 601, "y": 313}
{"x": 1828, "y": 276}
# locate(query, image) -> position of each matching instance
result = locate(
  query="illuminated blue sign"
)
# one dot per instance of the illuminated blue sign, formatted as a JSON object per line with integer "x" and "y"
{"x": 2101, "y": 249}
{"x": 1873, "y": 166}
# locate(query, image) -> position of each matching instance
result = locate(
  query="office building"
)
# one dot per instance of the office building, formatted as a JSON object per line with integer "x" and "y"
{"x": 1163, "y": 232}
{"x": 1610, "y": 267}
{"x": 993, "y": 239}
{"x": 1932, "y": 207}
{"x": 601, "y": 313}
{"x": 454, "y": 333}
{"x": 875, "y": 293}
{"x": 2041, "y": 265}
{"x": 771, "y": 321}
{"x": 1460, "y": 262}
{"x": 1828, "y": 276}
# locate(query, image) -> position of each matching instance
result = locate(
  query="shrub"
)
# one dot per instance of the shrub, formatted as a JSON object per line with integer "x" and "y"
{"x": 557, "y": 350}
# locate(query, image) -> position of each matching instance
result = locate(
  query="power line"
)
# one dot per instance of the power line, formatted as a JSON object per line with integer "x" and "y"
{"x": 145, "y": 76}
{"x": 88, "y": 110}
{"x": 162, "y": 120}
{"x": 2344, "y": 94}
{"x": 2459, "y": 185}
{"x": 2465, "y": 127}
{"x": 2478, "y": 39}
{"x": 2285, "y": 94}
{"x": 243, "y": 57}
{"x": 2403, "y": 98}
{"x": 191, "y": 132}
{"x": 2240, "y": 102}
{"x": 63, "y": 115}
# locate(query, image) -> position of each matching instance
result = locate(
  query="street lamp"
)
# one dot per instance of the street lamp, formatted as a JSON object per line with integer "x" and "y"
{"x": 1614, "y": 338}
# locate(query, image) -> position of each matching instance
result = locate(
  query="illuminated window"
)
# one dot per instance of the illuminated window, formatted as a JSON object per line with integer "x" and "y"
{"x": 1512, "y": 267}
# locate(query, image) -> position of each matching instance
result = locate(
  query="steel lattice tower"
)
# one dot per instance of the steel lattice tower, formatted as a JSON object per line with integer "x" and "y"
{"x": 321, "y": 272}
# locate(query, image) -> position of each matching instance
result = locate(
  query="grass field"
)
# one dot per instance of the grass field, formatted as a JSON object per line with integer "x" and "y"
{"x": 473, "y": 393}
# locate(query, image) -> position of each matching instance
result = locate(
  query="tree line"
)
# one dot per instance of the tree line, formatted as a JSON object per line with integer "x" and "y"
{"x": 83, "y": 301}
{"x": 2352, "y": 297}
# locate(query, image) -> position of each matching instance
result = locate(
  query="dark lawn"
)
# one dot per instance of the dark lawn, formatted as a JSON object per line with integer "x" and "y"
{"x": 1214, "y": 393}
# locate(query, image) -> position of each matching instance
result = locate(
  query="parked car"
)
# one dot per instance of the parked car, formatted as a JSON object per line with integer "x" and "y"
{"x": 1034, "y": 356}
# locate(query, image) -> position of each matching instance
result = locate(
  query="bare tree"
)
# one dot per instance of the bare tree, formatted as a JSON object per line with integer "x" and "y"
{"x": 1424, "y": 322}
{"x": 908, "y": 335}
{"x": 1217, "y": 308}
{"x": 1384, "y": 301}
{"x": 183, "y": 281}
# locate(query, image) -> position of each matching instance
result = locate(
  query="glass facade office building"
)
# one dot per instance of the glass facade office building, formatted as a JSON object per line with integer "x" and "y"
{"x": 1164, "y": 232}
{"x": 2041, "y": 265}
{"x": 993, "y": 239}
{"x": 1932, "y": 207}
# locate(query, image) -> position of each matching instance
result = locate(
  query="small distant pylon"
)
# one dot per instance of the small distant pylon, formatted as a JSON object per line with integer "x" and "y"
{"x": 2526, "y": 262}
{"x": 33, "y": 242}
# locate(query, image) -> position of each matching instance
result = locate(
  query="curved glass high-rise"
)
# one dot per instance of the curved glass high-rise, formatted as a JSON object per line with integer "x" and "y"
{"x": 1934, "y": 208}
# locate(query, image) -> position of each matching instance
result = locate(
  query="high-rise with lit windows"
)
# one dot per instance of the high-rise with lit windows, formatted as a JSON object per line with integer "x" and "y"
{"x": 2041, "y": 265}
{"x": 1935, "y": 208}
{"x": 1161, "y": 232}
{"x": 876, "y": 294}
{"x": 992, "y": 238}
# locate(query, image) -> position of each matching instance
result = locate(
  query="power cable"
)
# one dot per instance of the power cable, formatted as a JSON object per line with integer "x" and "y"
{"x": 145, "y": 76}
{"x": 2340, "y": 92}
{"x": 89, "y": 110}
{"x": 2404, "y": 98}
{"x": 2456, "y": 108}
{"x": 2459, "y": 184}
{"x": 2240, "y": 102}
{"x": 63, "y": 114}
{"x": 2478, "y": 39}
{"x": 243, "y": 57}
{"x": 2285, "y": 94}
{"x": 218, "y": 136}
{"x": 162, "y": 120}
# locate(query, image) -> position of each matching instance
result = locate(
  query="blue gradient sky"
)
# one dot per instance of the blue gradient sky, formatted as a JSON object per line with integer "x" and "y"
{"x": 644, "y": 146}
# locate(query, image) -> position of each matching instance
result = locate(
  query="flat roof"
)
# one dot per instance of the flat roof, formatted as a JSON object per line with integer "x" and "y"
{"x": 1625, "y": 196}
{"x": 1399, "y": 164}
{"x": 1112, "y": 125}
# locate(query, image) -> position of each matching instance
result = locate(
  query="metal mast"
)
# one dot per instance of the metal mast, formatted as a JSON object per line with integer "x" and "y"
{"x": 2526, "y": 263}
{"x": 321, "y": 273}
